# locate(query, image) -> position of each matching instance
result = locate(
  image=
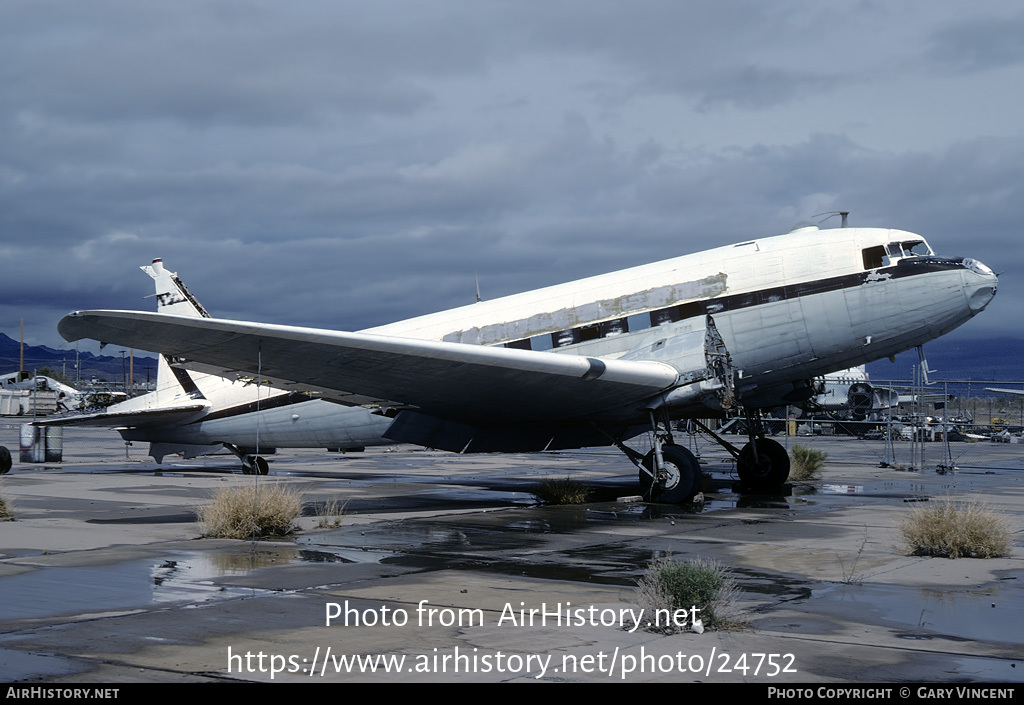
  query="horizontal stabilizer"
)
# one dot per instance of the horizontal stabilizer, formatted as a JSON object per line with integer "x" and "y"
{"x": 131, "y": 419}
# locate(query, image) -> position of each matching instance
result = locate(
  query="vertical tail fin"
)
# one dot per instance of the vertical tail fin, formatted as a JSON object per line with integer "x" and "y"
{"x": 172, "y": 296}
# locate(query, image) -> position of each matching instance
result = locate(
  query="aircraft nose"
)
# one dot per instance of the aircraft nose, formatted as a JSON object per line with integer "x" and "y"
{"x": 981, "y": 283}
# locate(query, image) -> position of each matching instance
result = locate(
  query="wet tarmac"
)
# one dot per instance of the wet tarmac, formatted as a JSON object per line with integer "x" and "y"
{"x": 105, "y": 578}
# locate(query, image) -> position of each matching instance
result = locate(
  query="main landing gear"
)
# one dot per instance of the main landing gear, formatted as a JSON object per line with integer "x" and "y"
{"x": 762, "y": 464}
{"x": 669, "y": 472}
{"x": 678, "y": 479}
{"x": 255, "y": 465}
{"x": 251, "y": 464}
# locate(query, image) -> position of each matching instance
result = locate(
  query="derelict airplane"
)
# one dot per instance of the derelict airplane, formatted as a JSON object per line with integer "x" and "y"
{"x": 849, "y": 394}
{"x": 601, "y": 360}
{"x": 194, "y": 414}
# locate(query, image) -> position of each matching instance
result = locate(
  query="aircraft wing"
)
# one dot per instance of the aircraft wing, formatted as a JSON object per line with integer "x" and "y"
{"x": 1004, "y": 391}
{"x": 168, "y": 416}
{"x": 468, "y": 383}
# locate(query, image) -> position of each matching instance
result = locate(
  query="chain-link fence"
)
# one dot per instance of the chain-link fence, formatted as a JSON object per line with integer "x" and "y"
{"x": 943, "y": 425}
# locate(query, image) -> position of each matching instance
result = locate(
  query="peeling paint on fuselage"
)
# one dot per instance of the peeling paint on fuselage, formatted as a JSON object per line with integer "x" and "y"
{"x": 591, "y": 312}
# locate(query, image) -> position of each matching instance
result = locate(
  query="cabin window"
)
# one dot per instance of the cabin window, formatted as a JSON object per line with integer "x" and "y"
{"x": 873, "y": 257}
{"x": 519, "y": 344}
{"x": 689, "y": 310}
{"x": 665, "y": 315}
{"x": 617, "y": 326}
{"x": 564, "y": 338}
{"x": 591, "y": 332}
{"x": 541, "y": 342}
{"x": 639, "y": 321}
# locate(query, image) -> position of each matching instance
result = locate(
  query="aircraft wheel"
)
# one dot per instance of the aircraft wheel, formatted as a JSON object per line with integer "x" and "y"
{"x": 770, "y": 472}
{"x": 255, "y": 465}
{"x": 682, "y": 479}
{"x": 5, "y": 460}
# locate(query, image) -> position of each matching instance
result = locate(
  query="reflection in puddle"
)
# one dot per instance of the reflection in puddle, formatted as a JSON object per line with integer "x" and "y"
{"x": 992, "y": 613}
{"x": 135, "y": 584}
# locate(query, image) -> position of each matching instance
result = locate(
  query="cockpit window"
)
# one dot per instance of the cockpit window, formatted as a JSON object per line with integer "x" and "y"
{"x": 915, "y": 248}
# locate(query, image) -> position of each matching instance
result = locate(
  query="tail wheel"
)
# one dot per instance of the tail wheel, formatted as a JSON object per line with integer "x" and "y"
{"x": 255, "y": 465}
{"x": 771, "y": 469}
{"x": 5, "y": 459}
{"x": 679, "y": 479}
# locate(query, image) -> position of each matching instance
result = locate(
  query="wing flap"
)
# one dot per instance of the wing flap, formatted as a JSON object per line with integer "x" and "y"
{"x": 450, "y": 380}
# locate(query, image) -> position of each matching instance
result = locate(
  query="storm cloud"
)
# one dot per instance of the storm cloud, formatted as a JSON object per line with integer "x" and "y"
{"x": 346, "y": 164}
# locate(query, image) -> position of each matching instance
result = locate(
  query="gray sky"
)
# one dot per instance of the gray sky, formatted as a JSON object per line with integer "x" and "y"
{"x": 347, "y": 164}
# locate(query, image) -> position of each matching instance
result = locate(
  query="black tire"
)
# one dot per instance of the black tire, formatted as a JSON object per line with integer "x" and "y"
{"x": 683, "y": 480}
{"x": 255, "y": 465}
{"x": 5, "y": 460}
{"x": 771, "y": 471}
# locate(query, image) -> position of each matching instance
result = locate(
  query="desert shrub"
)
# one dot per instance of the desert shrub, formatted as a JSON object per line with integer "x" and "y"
{"x": 567, "y": 491}
{"x": 250, "y": 512}
{"x": 807, "y": 463}
{"x": 952, "y": 529}
{"x": 702, "y": 583}
{"x": 5, "y": 510}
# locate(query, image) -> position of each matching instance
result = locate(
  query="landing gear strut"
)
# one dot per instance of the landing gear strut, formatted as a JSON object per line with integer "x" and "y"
{"x": 762, "y": 464}
{"x": 679, "y": 477}
{"x": 254, "y": 465}
{"x": 251, "y": 464}
{"x": 669, "y": 472}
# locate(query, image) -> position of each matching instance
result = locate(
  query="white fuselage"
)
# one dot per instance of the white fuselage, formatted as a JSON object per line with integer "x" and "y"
{"x": 788, "y": 308}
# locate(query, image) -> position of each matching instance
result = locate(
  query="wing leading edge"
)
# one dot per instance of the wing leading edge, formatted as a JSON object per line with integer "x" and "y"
{"x": 468, "y": 384}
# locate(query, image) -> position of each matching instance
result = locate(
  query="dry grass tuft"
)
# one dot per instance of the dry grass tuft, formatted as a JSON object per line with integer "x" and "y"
{"x": 250, "y": 512}
{"x": 329, "y": 514}
{"x": 5, "y": 510}
{"x": 951, "y": 529}
{"x": 567, "y": 491}
{"x": 703, "y": 583}
{"x": 807, "y": 464}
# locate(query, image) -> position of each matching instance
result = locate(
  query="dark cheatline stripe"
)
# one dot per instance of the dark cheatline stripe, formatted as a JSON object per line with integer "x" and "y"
{"x": 263, "y": 405}
{"x": 185, "y": 380}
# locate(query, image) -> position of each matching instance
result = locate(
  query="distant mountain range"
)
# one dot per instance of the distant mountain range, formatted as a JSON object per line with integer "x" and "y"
{"x": 102, "y": 367}
{"x": 984, "y": 360}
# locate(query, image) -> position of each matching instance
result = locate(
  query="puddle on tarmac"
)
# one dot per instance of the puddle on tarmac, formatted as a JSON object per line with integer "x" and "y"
{"x": 21, "y": 666}
{"x": 135, "y": 584}
{"x": 990, "y": 670}
{"x": 991, "y": 613}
